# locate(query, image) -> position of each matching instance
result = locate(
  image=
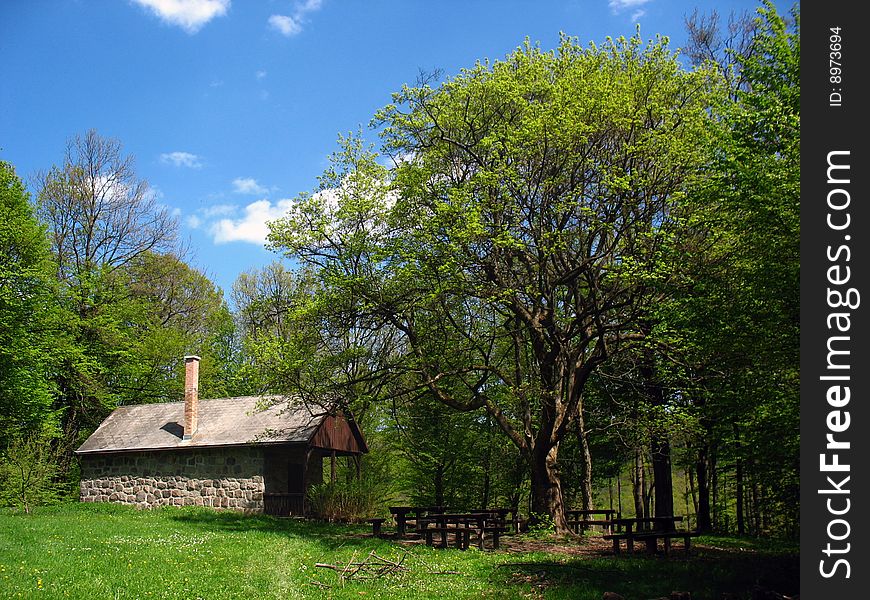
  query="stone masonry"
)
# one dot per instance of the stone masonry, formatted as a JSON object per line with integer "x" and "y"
{"x": 216, "y": 477}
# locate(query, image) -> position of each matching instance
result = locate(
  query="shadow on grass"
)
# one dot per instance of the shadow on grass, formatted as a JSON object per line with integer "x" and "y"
{"x": 706, "y": 575}
{"x": 329, "y": 535}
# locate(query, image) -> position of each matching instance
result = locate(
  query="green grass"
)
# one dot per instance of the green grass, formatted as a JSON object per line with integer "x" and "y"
{"x": 93, "y": 551}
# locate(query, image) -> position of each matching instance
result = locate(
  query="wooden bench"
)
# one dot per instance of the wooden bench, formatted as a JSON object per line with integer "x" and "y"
{"x": 580, "y": 524}
{"x": 495, "y": 531}
{"x": 376, "y": 526}
{"x": 650, "y": 538}
{"x": 579, "y": 520}
{"x": 462, "y": 535}
{"x": 462, "y": 526}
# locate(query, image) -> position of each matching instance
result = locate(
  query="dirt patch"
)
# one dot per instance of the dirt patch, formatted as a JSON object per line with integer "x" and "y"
{"x": 584, "y": 546}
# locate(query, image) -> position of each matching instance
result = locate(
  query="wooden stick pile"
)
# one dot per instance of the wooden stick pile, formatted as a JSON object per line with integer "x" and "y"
{"x": 372, "y": 567}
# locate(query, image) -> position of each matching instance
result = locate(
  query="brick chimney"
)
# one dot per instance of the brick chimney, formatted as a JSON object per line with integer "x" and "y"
{"x": 191, "y": 396}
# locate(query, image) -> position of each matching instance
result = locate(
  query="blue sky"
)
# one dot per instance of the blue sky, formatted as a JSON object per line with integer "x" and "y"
{"x": 232, "y": 108}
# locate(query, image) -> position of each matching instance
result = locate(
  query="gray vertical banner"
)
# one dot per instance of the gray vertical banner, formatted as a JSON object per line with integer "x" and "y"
{"x": 835, "y": 299}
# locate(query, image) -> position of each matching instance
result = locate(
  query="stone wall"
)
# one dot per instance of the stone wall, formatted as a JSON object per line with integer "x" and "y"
{"x": 216, "y": 477}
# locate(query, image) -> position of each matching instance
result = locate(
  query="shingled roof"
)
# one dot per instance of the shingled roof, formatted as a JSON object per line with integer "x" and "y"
{"x": 222, "y": 422}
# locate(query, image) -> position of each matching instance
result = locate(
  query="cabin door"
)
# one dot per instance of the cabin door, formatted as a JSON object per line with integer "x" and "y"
{"x": 284, "y": 483}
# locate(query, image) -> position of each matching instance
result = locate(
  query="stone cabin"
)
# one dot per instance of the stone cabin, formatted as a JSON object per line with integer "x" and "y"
{"x": 223, "y": 453}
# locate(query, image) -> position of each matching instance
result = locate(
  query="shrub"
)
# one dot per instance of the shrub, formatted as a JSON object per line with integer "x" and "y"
{"x": 347, "y": 501}
{"x": 28, "y": 471}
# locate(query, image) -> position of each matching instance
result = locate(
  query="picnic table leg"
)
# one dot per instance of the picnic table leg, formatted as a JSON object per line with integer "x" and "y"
{"x": 629, "y": 544}
{"x": 687, "y": 543}
{"x": 616, "y": 545}
{"x": 667, "y": 543}
{"x": 400, "y": 526}
{"x": 651, "y": 545}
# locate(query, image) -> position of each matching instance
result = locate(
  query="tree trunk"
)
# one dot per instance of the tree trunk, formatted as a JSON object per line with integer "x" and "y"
{"x": 586, "y": 461}
{"x": 610, "y": 492}
{"x": 660, "y": 448}
{"x": 439, "y": 485}
{"x": 686, "y": 499}
{"x": 484, "y": 500}
{"x": 547, "y": 489}
{"x": 487, "y": 469}
{"x": 705, "y": 522}
{"x": 662, "y": 477}
{"x": 739, "y": 487}
{"x": 714, "y": 493}
{"x": 638, "y": 485}
{"x": 690, "y": 478}
{"x": 756, "y": 510}
{"x": 619, "y": 492}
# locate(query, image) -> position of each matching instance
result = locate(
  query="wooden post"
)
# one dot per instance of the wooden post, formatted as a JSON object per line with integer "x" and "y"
{"x": 332, "y": 467}
{"x": 305, "y": 482}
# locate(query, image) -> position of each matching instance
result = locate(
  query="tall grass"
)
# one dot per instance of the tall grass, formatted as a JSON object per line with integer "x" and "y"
{"x": 347, "y": 501}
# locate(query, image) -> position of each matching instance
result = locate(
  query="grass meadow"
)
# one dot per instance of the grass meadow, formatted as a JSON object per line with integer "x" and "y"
{"x": 102, "y": 551}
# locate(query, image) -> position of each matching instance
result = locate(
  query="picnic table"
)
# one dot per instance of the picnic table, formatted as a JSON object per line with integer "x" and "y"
{"x": 401, "y": 514}
{"x": 579, "y": 520}
{"x": 461, "y": 526}
{"x": 635, "y": 529}
{"x": 507, "y": 515}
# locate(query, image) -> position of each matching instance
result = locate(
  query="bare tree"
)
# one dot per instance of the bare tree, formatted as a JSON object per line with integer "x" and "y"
{"x": 714, "y": 44}
{"x": 99, "y": 212}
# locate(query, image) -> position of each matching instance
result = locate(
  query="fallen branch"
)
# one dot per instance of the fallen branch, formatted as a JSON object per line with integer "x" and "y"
{"x": 373, "y": 567}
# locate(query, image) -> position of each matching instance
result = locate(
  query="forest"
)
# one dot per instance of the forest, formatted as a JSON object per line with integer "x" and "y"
{"x": 564, "y": 279}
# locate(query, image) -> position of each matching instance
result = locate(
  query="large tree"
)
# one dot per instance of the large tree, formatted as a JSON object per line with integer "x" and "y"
{"x": 738, "y": 315}
{"x": 29, "y": 315}
{"x": 135, "y": 308}
{"x": 99, "y": 212}
{"x": 515, "y": 243}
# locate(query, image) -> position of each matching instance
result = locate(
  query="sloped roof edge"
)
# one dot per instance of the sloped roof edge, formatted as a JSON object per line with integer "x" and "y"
{"x": 238, "y": 421}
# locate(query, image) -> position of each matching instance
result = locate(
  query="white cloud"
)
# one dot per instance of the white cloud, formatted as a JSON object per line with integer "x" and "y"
{"x": 153, "y": 192}
{"x": 251, "y": 227}
{"x": 260, "y": 75}
{"x": 193, "y": 221}
{"x": 290, "y": 25}
{"x": 219, "y": 210}
{"x": 181, "y": 159}
{"x": 286, "y": 25}
{"x": 190, "y": 15}
{"x": 248, "y": 185}
{"x": 618, "y": 6}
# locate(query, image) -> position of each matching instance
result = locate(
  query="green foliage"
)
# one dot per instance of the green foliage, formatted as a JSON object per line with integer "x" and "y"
{"x": 28, "y": 471}
{"x": 541, "y": 526}
{"x": 29, "y": 315}
{"x": 511, "y": 248}
{"x": 731, "y": 322}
